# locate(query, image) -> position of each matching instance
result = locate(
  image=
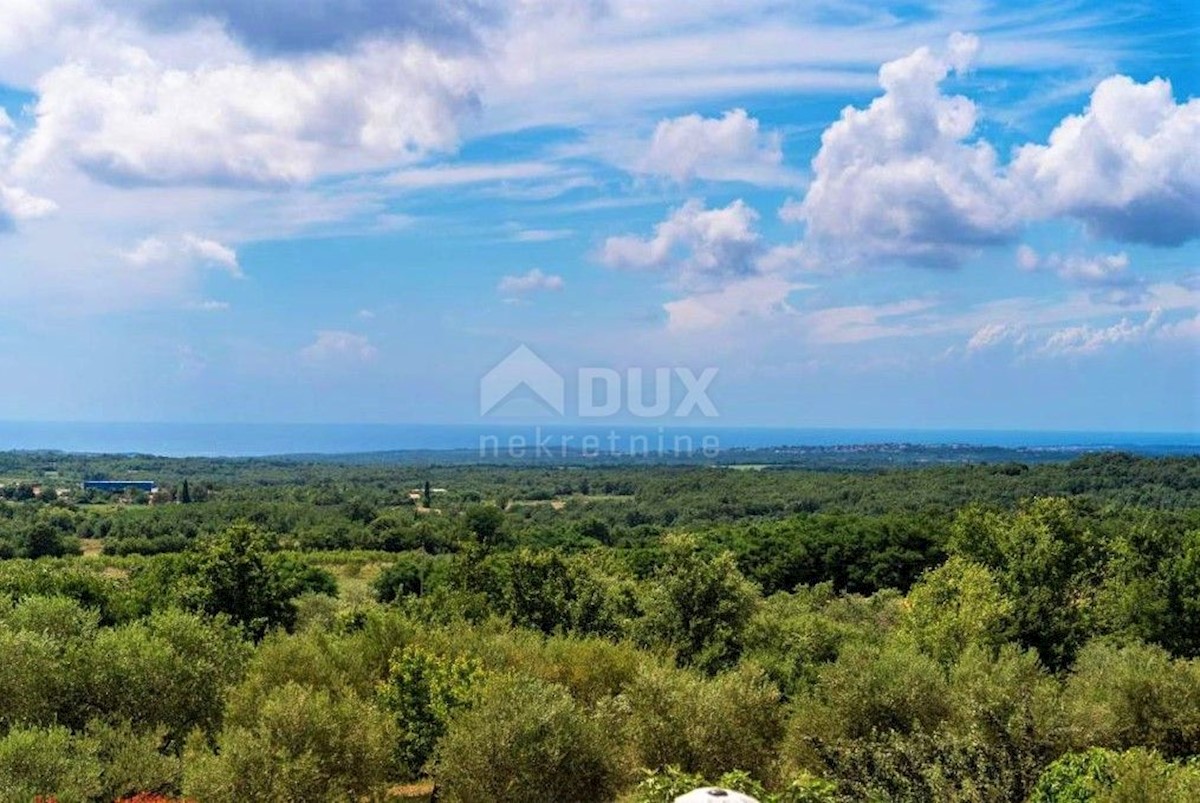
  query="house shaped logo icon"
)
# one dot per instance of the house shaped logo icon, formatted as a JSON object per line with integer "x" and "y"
{"x": 522, "y": 371}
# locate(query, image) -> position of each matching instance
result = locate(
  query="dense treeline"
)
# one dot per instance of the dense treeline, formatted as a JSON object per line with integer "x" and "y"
{"x": 976, "y": 633}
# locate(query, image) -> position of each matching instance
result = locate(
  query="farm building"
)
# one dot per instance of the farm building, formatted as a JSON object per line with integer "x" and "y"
{"x": 113, "y": 486}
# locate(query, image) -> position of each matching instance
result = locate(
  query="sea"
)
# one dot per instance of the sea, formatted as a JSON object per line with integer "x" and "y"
{"x": 258, "y": 440}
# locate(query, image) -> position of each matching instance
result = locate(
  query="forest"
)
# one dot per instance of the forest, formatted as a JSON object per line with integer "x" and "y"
{"x": 316, "y": 630}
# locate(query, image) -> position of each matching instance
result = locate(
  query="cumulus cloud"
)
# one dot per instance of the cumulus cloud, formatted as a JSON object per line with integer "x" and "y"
{"x": 531, "y": 282}
{"x": 1107, "y": 275}
{"x": 15, "y": 202}
{"x": 1126, "y": 167}
{"x": 139, "y": 120}
{"x": 727, "y": 148}
{"x": 703, "y": 248}
{"x": 336, "y": 346}
{"x": 1085, "y": 340}
{"x": 187, "y": 249}
{"x": 1027, "y": 258}
{"x": 18, "y": 204}
{"x": 902, "y": 178}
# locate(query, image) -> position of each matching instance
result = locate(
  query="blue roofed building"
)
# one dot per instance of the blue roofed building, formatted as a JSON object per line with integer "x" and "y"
{"x": 113, "y": 486}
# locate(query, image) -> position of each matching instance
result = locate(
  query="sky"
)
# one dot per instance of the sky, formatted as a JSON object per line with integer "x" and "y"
{"x": 958, "y": 214}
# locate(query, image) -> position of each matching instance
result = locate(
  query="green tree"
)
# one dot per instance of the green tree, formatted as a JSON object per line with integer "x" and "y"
{"x": 1048, "y": 560}
{"x": 239, "y": 574}
{"x": 956, "y": 606}
{"x": 698, "y": 607}
{"x": 485, "y": 523}
{"x": 423, "y": 690}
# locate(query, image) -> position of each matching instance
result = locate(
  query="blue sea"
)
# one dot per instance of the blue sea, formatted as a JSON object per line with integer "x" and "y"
{"x": 249, "y": 440}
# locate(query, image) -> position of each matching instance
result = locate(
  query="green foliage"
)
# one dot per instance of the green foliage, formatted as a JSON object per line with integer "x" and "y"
{"x": 1134, "y": 695}
{"x": 1098, "y": 775}
{"x": 305, "y": 745}
{"x": 705, "y": 726}
{"x": 912, "y": 646}
{"x": 1075, "y": 778}
{"x": 423, "y": 690}
{"x": 405, "y": 577}
{"x": 698, "y": 608}
{"x": 1046, "y": 558}
{"x": 872, "y": 689}
{"x": 664, "y": 785}
{"x": 47, "y": 763}
{"x": 526, "y": 740}
{"x": 485, "y": 523}
{"x": 956, "y": 606}
{"x": 239, "y": 574}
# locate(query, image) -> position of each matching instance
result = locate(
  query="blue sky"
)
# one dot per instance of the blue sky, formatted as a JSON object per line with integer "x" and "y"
{"x": 947, "y": 215}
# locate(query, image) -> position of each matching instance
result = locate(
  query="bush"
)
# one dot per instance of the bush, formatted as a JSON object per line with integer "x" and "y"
{"x": 956, "y": 606}
{"x": 171, "y": 670}
{"x": 305, "y": 746}
{"x": 1135, "y": 695}
{"x": 872, "y": 690}
{"x": 705, "y": 726}
{"x": 526, "y": 740}
{"x": 47, "y": 763}
{"x": 1103, "y": 776}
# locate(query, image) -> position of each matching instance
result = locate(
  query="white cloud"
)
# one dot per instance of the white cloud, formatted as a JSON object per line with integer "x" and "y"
{"x": 136, "y": 119}
{"x": 1108, "y": 275}
{"x": 288, "y": 26}
{"x": 15, "y": 202}
{"x": 1084, "y": 340}
{"x": 1187, "y": 329}
{"x": 1126, "y": 167}
{"x": 726, "y": 148}
{"x": 861, "y": 322}
{"x": 540, "y": 235}
{"x": 1027, "y": 258}
{"x": 420, "y": 178}
{"x": 754, "y": 298}
{"x": 531, "y": 282}
{"x": 992, "y": 335}
{"x": 186, "y": 249}
{"x": 901, "y": 178}
{"x": 337, "y": 346}
{"x": 18, "y": 204}
{"x": 703, "y": 248}
{"x": 211, "y": 306}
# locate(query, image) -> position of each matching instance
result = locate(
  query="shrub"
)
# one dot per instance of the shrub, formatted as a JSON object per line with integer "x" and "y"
{"x": 1134, "y": 695}
{"x": 705, "y": 726}
{"x": 307, "y": 745}
{"x": 525, "y": 740}
{"x": 956, "y": 606}
{"x": 47, "y": 763}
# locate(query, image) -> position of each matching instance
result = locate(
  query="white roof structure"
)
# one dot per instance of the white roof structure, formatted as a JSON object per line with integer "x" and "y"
{"x": 714, "y": 794}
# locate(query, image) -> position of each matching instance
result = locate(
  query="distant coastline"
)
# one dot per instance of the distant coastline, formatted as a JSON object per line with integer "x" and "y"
{"x": 330, "y": 440}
